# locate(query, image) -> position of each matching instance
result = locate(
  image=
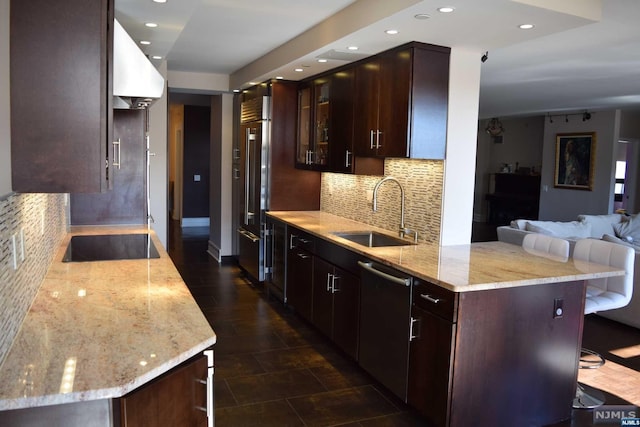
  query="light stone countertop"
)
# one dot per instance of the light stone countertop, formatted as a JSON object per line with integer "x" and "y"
{"x": 112, "y": 325}
{"x": 460, "y": 268}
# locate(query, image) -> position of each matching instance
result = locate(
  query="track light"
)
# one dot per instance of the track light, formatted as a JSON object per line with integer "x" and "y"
{"x": 585, "y": 116}
{"x": 485, "y": 57}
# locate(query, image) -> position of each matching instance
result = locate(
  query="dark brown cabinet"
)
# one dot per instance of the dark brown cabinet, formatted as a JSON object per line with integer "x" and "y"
{"x": 61, "y": 95}
{"x": 401, "y": 99}
{"x": 300, "y": 272}
{"x": 325, "y": 123}
{"x": 178, "y": 398}
{"x": 431, "y": 351}
{"x": 336, "y": 301}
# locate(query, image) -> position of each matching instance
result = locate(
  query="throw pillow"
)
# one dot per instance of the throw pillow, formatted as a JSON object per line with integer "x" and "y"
{"x": 614, "y": 239}
{"x": 601, "y": 224}
{"x": 571, "y": 229}
{"x": 629, "y": 230}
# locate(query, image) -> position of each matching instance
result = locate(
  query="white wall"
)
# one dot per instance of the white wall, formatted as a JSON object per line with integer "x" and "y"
{"x": 5, "y": 122}
{"x": 459, "y": 177}
{"x": 159, "y": 163}
{"x": 560, "y": 204}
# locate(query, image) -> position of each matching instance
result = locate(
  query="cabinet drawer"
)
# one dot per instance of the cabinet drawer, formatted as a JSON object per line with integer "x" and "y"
{"x": 301, "y": 240}
{"x": 435, "y": 299}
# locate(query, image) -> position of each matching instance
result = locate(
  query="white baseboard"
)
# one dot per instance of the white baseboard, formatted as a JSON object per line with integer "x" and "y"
{"x": 194, "y": 222}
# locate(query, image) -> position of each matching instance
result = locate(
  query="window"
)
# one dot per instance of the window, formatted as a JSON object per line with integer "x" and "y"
{"x": 621, "y": 169}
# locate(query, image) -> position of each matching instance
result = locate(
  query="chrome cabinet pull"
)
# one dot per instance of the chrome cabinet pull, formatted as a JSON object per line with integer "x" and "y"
{"x": 430, "y": 298}
{"x": 347, "y": 159}
{"x": 236, "y": 173}
{"x": 210, "y": 390}
{"x": 116, "y": 153}
{"x": 236, "y": 154}
{"x": 371, "y": 139}
{"x": 303, "y": 255}
{"x": 412, "y": 336}
{"x": 378, "y": 145}
{"x": 334, "y": 287}
{"x": 305, "y": 241}
{"x": 329, "y": 282}
{"x": 292, "y": 237}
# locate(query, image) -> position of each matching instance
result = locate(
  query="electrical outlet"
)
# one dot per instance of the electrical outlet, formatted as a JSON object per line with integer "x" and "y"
{"x": 369, "y": 196}
{"x": 14, "y": 252}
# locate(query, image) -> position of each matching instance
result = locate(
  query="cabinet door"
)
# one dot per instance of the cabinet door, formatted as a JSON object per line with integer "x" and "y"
{"x": 341, "y": 121}
{"x": 430, "y": 366}
{"x": 346, "y": 315}
{"x": 299, "y": 278}
{"x": 365, "y": 125}
{"x": 393, "y": 103}
{"x": 323, "y": 296}
{"x": 303, "y": 144}
{"x": 322, "y": 115}
{"x": 172, "y": 400}
{"x": 61, "y": 95}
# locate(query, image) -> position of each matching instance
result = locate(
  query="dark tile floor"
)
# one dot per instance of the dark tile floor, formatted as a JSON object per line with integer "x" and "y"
{"x": 273, "y": 369}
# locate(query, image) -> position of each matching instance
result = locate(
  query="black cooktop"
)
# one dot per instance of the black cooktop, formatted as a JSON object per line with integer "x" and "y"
{"x": 110, "y": 247}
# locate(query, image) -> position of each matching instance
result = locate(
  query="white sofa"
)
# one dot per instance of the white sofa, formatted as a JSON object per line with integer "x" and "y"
{"x": 617, "y": 228}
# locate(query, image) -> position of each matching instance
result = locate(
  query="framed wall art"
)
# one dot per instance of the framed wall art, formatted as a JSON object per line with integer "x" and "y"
{"x": 575, "y": 158}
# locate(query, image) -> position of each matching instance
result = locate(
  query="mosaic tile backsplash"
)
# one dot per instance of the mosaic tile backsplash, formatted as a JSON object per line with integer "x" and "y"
{"x": 347, "y": 196}
{"x": 40, "y": 220}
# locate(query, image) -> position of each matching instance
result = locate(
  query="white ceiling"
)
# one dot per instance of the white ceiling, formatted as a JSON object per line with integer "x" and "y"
{"x": 585, "y": 56}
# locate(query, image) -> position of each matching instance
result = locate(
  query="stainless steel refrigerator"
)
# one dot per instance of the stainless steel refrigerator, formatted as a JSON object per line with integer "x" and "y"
{"x": 264, "y": 171}
{"x": 253, "y": 167}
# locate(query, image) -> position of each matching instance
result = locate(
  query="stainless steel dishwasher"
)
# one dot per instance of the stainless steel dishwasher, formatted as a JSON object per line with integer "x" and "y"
{"x": 385, "y": 324}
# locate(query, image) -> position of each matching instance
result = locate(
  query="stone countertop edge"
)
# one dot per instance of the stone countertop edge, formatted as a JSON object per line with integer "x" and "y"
{"x": 459, "y": 268}
{"x": 155, "y": 300}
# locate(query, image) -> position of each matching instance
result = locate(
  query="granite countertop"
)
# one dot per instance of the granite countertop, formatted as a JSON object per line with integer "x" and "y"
{"x": 104, "y": 328}
{"x": 460, "y": 268}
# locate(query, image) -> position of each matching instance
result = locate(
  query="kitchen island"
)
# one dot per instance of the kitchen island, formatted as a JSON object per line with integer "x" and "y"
{"x": 99, "y": 331}
{"x": 489, "y": 333}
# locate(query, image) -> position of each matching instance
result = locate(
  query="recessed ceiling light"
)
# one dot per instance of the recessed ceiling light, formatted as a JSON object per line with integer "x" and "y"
{"x": 526, "y": 26}
{"x": 298, "y": 70}
{"x": 279, "y": 78}
{"x": 392, "y": 32}
{"x": 446, "y": 9}
{"x": 151, "y": 24}
{"x": 145, "y": 42}
{"x": 160, "y": 1}
{"x": 421, "y": 16}
{"x": 322, "y": 60}
{"x": 156, "y": 57}
{"x": 352, "y": 48}
{"x": 236, "y": 91}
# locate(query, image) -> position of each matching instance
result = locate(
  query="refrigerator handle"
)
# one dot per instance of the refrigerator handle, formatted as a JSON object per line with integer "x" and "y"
{"x": 247, "y": 165}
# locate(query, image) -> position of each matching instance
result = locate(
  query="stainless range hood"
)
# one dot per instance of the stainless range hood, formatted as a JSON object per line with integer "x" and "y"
{"x": 136, "y": 82}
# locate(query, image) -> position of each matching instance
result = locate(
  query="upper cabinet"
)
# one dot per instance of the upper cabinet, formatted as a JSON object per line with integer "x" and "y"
{"x": 61, "y": 95}
{"x": 393, "y": 104}
{"x": 325, "y": 123}
{"x": 401, "y": 100}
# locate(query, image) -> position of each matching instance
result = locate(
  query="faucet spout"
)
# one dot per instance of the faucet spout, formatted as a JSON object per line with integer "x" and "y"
{"x": 375, "y": 199}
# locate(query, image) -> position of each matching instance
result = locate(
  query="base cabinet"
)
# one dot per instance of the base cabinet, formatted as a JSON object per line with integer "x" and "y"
{"x": 300, "y": 272}
{"x": 336, "y": 301}
{"x": 176, "y": 399}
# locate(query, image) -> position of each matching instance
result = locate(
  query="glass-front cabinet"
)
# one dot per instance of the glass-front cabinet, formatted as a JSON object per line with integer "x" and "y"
{"x": 313, "y": 125}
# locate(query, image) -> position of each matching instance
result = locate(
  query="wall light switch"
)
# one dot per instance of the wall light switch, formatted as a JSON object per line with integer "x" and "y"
{"x": 196, "y": 178}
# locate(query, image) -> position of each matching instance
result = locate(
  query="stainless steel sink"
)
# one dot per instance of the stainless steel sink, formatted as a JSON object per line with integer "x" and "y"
{"x": 372, "y": 239}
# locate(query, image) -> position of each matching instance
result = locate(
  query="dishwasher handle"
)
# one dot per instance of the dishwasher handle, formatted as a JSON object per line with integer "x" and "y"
{"x": 405, "y": 281}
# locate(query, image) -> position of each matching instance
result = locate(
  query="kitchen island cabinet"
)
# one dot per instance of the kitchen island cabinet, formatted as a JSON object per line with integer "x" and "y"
{"x": 61, "y": 95}
{"x": 102, "y": 335}
{"x": 487, "y": 346}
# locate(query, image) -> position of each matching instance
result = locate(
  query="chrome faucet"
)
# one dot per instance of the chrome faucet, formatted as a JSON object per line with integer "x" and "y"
{"x": 402, "y": 230}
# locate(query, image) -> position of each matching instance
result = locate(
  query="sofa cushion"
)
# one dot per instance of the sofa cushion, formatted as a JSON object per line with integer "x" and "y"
{"x": 614, "y": 239}
{"x": 571, "y": 229}
{"x": 629, "y": 230}
{"x": 601, "y": 224}
{"x": 520, "y": 224}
